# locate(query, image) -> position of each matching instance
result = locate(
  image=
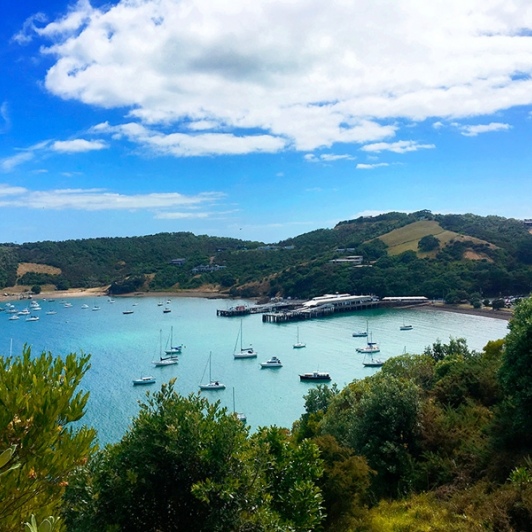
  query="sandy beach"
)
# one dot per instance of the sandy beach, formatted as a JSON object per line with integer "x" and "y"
{"x": 13, "y": 294}
{"x": 486, "y": 312}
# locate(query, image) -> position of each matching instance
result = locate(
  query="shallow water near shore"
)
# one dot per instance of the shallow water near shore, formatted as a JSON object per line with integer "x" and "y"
{"x": 122, "y": 347}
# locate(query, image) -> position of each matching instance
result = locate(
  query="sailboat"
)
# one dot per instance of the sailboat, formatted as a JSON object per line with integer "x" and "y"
{"x": 239, "y": 415}
{"x": 371, "y": 362}
{"x": 298, "y": 344}
{"x": 163, "y": 361}
{"x": 245, "y": 352}
{"x": 406, "y": 327}
{"x": 212, "y": 385}
{"x": 174, "y": 349}
{"x": 361, "y": 334}
{"x": 371, "y": 347}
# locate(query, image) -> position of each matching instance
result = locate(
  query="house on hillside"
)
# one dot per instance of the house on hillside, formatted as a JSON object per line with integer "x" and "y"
{"x": 355, "y": 260}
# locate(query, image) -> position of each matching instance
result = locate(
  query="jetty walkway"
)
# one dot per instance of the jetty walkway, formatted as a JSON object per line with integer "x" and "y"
{"x": 296, "y": 310}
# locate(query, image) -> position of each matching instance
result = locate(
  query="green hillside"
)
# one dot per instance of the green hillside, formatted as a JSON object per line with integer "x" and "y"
{"x": 407, "y": 238}
{"x": 394, "y": 260}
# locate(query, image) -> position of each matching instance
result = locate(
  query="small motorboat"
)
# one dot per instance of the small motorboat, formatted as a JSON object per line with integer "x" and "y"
{"x": 144, "y": 380}
{"x": 274, "y": 362}
{"x": 315, "y": 376}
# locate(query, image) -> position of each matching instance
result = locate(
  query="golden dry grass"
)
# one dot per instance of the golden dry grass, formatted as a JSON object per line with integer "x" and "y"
{"x": 407, "y": 238}
{"x": 26, "y": 267}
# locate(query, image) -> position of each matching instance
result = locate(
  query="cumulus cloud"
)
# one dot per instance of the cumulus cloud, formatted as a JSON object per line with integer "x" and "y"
{"x": 100, "y": 199}
{"x": 401, "y": 146}
{"x": 77, "y": 145}
{"x": 473, "y": 131}
{"x": 269, "y": 75}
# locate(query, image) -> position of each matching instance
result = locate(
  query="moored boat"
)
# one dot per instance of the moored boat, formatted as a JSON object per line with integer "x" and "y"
{"x": 144, "y": 380}
{"x": 315, "y": 376}
{"x": 273, "y": 362}
{"x": 212, "y": 384}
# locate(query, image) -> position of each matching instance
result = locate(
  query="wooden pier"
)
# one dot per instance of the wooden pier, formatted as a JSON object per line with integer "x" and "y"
{"x": 321, "y": 311}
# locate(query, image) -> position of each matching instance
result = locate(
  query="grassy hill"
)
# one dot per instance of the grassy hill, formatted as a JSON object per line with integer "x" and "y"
{"x": 303, "y": 266}
{"x": 407, "y": 238}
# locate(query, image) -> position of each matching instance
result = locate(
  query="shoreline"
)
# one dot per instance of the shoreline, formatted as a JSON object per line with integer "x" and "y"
{"x": 8, "y": 295}
{"x": 503, "y": 314}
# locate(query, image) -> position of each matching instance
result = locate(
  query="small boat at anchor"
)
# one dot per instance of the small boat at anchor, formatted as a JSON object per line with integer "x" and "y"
{"x": 371, "y": 362}
{"x": 274, "y": 362}
{"x": 315, "y": 376}
{"x": 245, "y": 352}
{"x": 144, "y": 380}
{"x": 371, "y": 347}
{"x": 361, "y": 334}
{"x": 164, "y": 360}
{"x": 212, "y": 384}
{"x": 298, "y": 344}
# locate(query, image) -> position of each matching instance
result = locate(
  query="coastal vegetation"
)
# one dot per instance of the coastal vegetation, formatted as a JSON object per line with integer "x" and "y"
{"x": 451, "y": 257}
{"x": 439, "y": 440}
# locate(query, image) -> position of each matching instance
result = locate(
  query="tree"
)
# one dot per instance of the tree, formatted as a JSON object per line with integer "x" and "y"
{"x": 36, "y": 289}
{"x": 515, "y": 376}
{"x": 187, "y": 464}
{"x": 38, "y": 406}
{"x": 428, "y": 243}
{"x": 378, "y": 418}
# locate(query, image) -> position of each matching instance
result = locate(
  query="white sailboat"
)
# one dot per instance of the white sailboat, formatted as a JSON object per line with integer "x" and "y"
{"x": 173, "y": 349}
{"x": 361, "y": 334}
{"x": 244, "y": 352}
{"x": 371, "y": 347}
{"x": 406, "y": 327}
{"x": 298, "y": 344}
{"x": 371, "y": 362}
{"x": 211, "y": 385}
{"x": 163, "y": 361}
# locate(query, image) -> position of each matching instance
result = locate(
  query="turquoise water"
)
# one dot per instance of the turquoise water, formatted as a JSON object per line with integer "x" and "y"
{"x": 123, "y": 346}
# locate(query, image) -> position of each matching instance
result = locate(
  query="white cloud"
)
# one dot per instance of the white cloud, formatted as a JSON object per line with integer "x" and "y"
{"x": 9, "y": 163}
{"x": 364, "y": 166}
{"x": 473, "y": 131}
{"x": 8, "y": 190}
{"x": 101, "y": 200}
{"x": 306, "y": 74}
{"x": 181, "y": 144}
{"x": 401, "y": 146}
{"x": 327, "y": 157}
{"x": 77, "y": 145}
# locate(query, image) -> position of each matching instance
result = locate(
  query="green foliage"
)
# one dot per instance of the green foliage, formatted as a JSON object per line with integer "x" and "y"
{"x": 47, "y": 525}
{"x": 38, "y": 406}
{"x": 456, "y": 346}
{"x": 345, "y": 484}
{"x": 190, "y": 465}
{"x": 378, "y": 419}
{"x": 131, "y": 284}
{"x": 8, "y": 265}
{"x": 428, "y": 243}
{"x": 515, "y": 377}
{"x": 298, "y": 267}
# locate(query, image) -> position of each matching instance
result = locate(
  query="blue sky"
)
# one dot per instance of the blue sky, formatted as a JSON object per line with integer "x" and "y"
{"x": 259, "y": 120}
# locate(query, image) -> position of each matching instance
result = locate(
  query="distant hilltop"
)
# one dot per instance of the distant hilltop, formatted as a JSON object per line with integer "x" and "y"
{"x": 455, "y": 257}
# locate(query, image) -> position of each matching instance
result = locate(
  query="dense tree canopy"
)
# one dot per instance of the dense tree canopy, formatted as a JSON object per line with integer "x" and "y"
{"x": 39, "y": 404}
{"x": 190, "y": 465}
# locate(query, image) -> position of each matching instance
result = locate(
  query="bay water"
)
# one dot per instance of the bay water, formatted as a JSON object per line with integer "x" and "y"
{"x": 123, "y": 346}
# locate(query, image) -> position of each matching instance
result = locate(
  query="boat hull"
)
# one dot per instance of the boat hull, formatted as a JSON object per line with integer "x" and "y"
{"x": 315, "y": 377}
